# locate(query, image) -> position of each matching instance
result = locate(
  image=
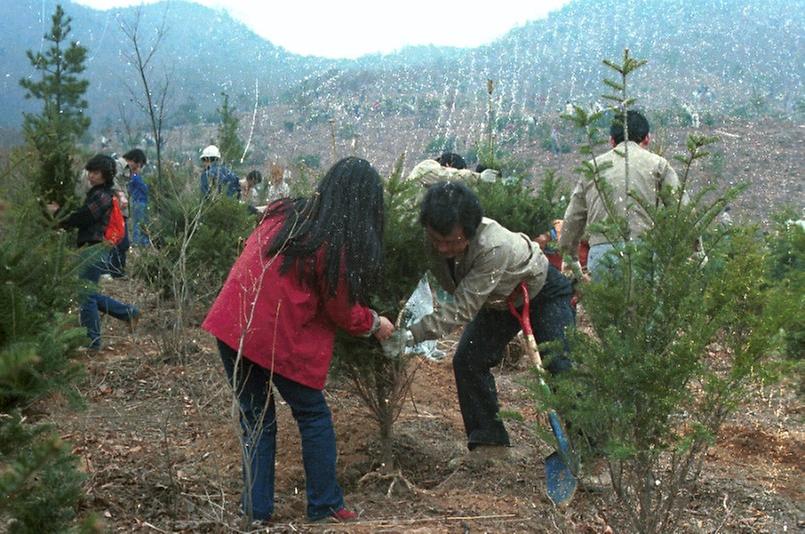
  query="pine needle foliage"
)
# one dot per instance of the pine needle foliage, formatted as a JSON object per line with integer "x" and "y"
{"x": 40, "y": 486}
{"x": 39, "y": 287}
{"x": 229, "y": 142}
{"x": 55, "y": 131}
{"x": 196, "y": 239}
{"x": 517, "y": 207}
{"x": 382, "y": 383}
{"x": 786, "y": 244}
{"x": 676, "y": 341}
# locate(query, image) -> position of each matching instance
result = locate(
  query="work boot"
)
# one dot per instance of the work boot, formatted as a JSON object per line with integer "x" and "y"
{"x": 596, "y": 479}
{"x": 482, "y": 456}
{"x": 491, "y": 452}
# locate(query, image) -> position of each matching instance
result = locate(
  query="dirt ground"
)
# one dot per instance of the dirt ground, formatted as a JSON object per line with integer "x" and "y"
{"x": 160, "y": 450}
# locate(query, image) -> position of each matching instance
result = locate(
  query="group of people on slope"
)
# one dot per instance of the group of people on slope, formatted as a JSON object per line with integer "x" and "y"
{"x": 306, "y": 271}
{"x": 217, "y": 178}
{"x": 121, "y": 178}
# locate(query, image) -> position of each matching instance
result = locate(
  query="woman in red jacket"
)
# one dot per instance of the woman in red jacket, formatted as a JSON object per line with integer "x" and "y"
{"x": 304, "y": 272}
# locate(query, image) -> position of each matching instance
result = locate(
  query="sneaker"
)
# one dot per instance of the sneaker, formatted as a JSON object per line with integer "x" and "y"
{"x": 342, "y": 515}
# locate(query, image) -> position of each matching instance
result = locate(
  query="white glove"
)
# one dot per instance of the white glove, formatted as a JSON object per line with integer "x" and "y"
{"x": 700, "y": 257}
{"x": 394, "y": 346}
{"x": 490, "y": 175}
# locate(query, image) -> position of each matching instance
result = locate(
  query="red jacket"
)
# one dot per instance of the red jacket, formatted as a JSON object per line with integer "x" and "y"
{"x": 283, "y": 325}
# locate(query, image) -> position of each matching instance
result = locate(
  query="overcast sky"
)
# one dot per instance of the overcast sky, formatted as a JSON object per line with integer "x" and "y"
{"x": 350, "y": 28}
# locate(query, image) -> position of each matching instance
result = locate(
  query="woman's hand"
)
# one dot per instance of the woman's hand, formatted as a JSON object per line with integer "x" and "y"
{"x": 52, "y": 208}
{"x": 385, "y": 330}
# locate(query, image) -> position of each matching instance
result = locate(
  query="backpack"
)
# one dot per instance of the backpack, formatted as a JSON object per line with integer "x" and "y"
{"x": 116, "y": 227}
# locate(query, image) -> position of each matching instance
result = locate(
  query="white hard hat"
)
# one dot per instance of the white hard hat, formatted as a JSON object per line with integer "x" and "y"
{"x": 211, "y": 152}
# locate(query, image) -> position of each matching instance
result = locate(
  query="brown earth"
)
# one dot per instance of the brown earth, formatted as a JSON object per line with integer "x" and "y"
{"x": 160, "y": 450}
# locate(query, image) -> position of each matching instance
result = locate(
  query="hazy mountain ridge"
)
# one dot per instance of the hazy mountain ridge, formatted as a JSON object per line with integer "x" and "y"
{"x": 717, "y": 53}
{"x": 203, "y": 52}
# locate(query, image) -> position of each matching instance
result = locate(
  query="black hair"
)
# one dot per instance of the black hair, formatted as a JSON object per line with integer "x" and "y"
{"x": 344, "y": 219}
{"x": 136, "y": 155}
{"x": 638, "y": 127}
{"x": 447, "y": 204}
{"x": 449, "y": 159}
{"x": 481, "y": 168}
{"x": 254, "y": 177}
{"x": 105, "y": 164}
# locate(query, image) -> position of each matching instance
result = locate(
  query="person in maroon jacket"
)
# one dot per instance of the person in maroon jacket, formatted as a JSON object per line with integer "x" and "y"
{"x": 305, "y": 272}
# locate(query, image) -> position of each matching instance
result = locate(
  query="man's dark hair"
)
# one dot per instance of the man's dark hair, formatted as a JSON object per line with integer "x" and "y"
{"x": 449, "y": 159}
{"x": 447, "y": 204}
{"x": 341, "y": 225}
{"x": 136, "y": 155}
{"x": 638, "y": 127}
{"x": 105, "y": 164}
{"x": 254, "y": 177}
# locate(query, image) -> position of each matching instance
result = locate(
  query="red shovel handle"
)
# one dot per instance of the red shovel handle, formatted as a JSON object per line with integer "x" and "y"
{"x": 525, "y": 316}
{"x": 525, "y": 323}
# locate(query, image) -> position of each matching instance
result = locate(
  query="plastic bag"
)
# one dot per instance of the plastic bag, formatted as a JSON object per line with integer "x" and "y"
{"x": 420, "y": 304}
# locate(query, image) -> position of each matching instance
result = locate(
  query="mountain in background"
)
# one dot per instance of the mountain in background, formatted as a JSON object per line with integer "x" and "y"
{"x": 720, "y": 53}
{"x": 717, "y": 55}
{"x": 203, "y": 53}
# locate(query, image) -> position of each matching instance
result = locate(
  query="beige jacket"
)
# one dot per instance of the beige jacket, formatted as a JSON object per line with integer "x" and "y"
{"x": 494, "y": 264}
{"x": 648, "y": 174}
{"x": 429, "y": 172}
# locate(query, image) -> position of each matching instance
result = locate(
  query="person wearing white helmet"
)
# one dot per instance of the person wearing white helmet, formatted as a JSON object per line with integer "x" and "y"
{"x": 217, "y": 178}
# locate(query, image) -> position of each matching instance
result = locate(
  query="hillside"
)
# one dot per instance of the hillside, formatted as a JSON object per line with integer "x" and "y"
{"x": 203, "y": 52}
{"x": 738, "y": 64}
{"x": 716, "y": 54}
{"x": 159, "y": 446}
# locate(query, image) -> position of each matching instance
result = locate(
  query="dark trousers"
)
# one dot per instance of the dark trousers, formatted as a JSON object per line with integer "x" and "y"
{"x": 117, "y": 256}
{"x": 481, "y": 348}
{"x": 253, "y": 385}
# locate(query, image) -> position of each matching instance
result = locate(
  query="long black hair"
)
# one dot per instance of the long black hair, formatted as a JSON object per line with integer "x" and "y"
{"x": 344, "y": 217}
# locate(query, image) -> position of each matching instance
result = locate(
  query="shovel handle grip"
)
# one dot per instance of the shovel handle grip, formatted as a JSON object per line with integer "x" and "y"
{"x": 525, "y": 323}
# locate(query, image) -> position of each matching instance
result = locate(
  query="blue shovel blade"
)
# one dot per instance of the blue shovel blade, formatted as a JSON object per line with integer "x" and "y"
{"x": 560, "y": 480}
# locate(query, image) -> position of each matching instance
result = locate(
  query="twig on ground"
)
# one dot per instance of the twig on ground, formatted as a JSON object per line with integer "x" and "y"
{"x": 726, "y": 515}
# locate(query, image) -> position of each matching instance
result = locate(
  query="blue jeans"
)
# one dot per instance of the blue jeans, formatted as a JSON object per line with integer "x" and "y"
{"x": 96, "y": 263}
{"x": 595, "y": 258}
{"x": 252, "y": 383}
{"x": 138, "y": 219}
{"x": 481, "y": 348}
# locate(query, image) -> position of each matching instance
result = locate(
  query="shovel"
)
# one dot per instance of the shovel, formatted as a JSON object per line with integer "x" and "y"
{"x": 559, "y": 477}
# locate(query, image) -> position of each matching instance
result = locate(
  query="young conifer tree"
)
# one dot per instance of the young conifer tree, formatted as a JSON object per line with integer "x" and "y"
{"x": 382, "y": 382}
{"x": 40, "y": 484}
{"x": 228, "y": 141}
{"x": 54, "y": 132}
{"x": 645, "y": 393}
